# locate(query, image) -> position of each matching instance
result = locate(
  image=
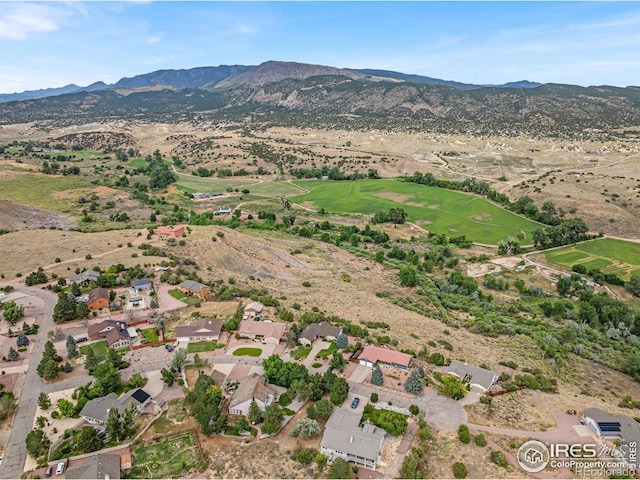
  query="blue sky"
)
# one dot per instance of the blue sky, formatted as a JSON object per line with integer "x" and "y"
{"x": 51, "y": 44}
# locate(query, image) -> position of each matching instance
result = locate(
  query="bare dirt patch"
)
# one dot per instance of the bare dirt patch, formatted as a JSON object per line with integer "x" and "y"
{"x": 15, "y": 216}
{"x": 396, "y": 197}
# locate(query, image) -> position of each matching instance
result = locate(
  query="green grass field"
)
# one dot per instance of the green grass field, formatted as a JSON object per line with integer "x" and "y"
{"x": 99, "y": 348}
{"x": 43, "y": 191}
{"x": 435, "y": 209}
{"x": 171, "y": 458}
{"x": 150, "y": 334}
{"x": 607, "y": 254}
{"x": 247, "y": 352}
{"x": 211, "y": 184}
{"x": 196, "y": 347}
{"x": 179, "y": 295}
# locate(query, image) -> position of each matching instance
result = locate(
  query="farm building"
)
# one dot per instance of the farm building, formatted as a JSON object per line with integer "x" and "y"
{"x": 314, "y": 331}
{"x": 170, "y": 232}
{"x": 251, "y": 388}
{"x": 372, "y": 355}
{"x": 345, "y": 437}
{"x": 475, "y": 376}
{"x": 622, "y": 430}
{"x": 196, "y": 289}
{"x": 269, "y": 332}
{"x": 205, "y": 329}
{"x": 98, "y": 298}
{"x": 141, "y": 285}
{"x": 84, "y": 278}
{"x": 253, "y": 309}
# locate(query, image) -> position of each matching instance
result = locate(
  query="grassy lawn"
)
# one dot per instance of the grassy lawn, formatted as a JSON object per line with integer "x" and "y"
{"x": 179, "y": 295}
{"x": 442, "y": 211}
{"x": 326, "y": 353}
{"x": 150, "y": 334}
{"x": 301, "y": 352}
{"x": 99, "y": 348}
{"x": 248, "y": 352}
{"x": 203, "y": 347}
{"x": 607, "y": 254}
{"x": 274, "y": 189}
{"x": 173, "y": 457}
{"x": 44, "y": 191}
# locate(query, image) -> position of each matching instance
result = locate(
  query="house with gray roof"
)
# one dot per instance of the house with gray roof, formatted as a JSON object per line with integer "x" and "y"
{"x": 314, "y": 331}
{"x": 84, "y": 278}
{"x": 196, "y": 289}
{"x": 141, "y": 285}
{"x": 345, "y": 437}
{"x": 475, "y": 376}
{"x": 96, "y": 411}
{"x": 251, "y": 388}
{"x": 622, "y": 430}
{"x": 99, "y": 466}
{"x": 206, "y": 329}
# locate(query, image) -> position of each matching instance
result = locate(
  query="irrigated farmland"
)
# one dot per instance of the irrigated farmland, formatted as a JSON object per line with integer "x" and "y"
{"x": 435, "y": 209}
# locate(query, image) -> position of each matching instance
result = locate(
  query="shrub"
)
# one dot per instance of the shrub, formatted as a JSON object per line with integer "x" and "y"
{"x": 480, "y": 440}
{"x": 414, "y": 409}
{"x": 499, "y": 459}
{"x": 485, "y": 400}
{"x": 463, "y": 434}
{"x": 459, "y": 470}
{"x": 373, "y": 397}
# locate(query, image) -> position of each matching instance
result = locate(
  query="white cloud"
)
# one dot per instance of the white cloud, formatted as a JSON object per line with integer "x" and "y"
{"x": 24, "y": 20}
{"x": 243, "y": 28}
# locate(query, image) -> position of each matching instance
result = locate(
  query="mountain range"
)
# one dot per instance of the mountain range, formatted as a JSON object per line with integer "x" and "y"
{"x": 297, "y": 94}
{"x": 225, "y": 76}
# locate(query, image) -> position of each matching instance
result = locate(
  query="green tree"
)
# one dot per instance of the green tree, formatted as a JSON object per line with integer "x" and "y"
{"x": 43, "y": 401}
{"x": 37, "y": 443}
{"x": 75, "y": 289}
{"x": 7, "y": 406}
{"x": 339, "y": 469}
{"x": 48, "y": 368}
{"x": 206, "y": 399}
{"x": 167, "y": 377}
{"x": 13, "y": 354}
{"x": 107, "y": 378}
{"x": 12, "y": 312}
{"x": 114, "y": 426}
{"x": 88, "y": 440}
{"x": 273, "y": 416}
{"x": 339, "y": 390}
{"x": 22, "y": 340}
{"x": 337, "y": 361}
{"x": 323, "y": 408}
{"x": 65, "y": 309}
{"x": 137, "y": 381}
{"x": 82, "y": 310}
{"x": 66, "y": 408}
{"x": 408, "y": 276}
{"x": 179, "y": 359}
{"x": 376, "y": 377}
{"x": 633, "y": 285}
{"x": 411, "y": 465}
{"x": 254, "y": 414}
{"x": 72, "y": 349}
{"x": 306, "y": 428}
{"x": 91, "y": 359}
{"x": 454, "y": 388}
{"x": 342, "y": 341}
{"x": 414, "y": 382}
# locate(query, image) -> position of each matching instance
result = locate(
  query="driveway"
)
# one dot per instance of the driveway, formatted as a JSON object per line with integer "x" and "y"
{"x": 317, "y": 346}
{"x": 360, "y": 374}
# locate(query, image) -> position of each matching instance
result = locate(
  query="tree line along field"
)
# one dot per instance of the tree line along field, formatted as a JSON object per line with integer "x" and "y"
{"x": 438, "y": 210}
{"x": 607, "y": 254}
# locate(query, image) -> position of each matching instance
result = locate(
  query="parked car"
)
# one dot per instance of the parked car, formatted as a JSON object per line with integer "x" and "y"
{"x": 168, "y": 347}
{"x": 355, "y": 402}
{"x": 47, "y": 472}
{"x": 81, "y": 339}
{"x": 60, "y": 468}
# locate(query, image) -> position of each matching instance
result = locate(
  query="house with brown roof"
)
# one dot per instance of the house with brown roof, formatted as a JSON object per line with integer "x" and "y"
{"x": 253, "y": 309}
{"x": 372, "y": 355}
{"x": 98, "y": 298}
{"x": 170, "y": 232}
{"x": 322, "y": 330}
{"x": 251, "y": 388}
{"x": 206, "y": 329}
{"x": 269, "y": 332}
{"x": 195, "y": 289}
{"x": 115, "y": 333}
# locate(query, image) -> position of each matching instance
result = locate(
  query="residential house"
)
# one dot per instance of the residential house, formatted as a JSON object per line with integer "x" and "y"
{"x": 170, "y": 232}
{"x": 345, "y": 437}
{"x": 196, "y": 289}
{"x": 322, "y": 330}
{"x": 98, "y": 298}
{"x": 206, "y": 329}
{"x": 141, "y": 285}
{"x": 475, "y": 376}
{"x": 96, "y": 411}
{"x": 84, "y": 278}
{"x": 372, "y": 355}
{"x": 251, "y": 388}
{"x": 253, "y": 309}
{"x": 98, "y": 466}
{"x": 622, "y": 430}
{"x": 115, "y": 333}
{"x": 269, "y": 332}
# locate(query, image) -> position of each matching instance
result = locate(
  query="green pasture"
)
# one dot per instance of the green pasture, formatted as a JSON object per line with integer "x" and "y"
{"x": 43, "y": 191}
{"x": 211, "y": 184}
{"x": 435, "y": 209}
{"x": 609, "y": 255}
{"x": 173, "y": 457}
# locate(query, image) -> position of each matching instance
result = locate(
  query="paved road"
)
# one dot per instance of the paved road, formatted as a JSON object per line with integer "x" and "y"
{"x": 16, "y": 453}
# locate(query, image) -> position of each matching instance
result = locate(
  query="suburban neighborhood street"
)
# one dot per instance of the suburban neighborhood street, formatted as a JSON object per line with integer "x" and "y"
{"x": 16, "y": 452}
